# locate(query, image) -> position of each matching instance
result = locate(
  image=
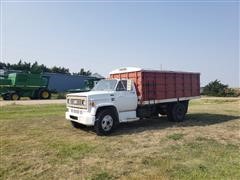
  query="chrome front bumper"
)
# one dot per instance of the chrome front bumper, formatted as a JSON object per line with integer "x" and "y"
{"x": 80, "y": 116}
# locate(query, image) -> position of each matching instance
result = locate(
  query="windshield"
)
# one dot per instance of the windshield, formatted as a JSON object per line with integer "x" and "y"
{"x": 105, "y": 85}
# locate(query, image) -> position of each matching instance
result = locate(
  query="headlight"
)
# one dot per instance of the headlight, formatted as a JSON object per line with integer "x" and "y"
{"x": 77, "y": 101}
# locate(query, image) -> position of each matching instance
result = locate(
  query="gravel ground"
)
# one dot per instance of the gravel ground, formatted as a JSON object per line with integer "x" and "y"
{"x": 32, "y": 102}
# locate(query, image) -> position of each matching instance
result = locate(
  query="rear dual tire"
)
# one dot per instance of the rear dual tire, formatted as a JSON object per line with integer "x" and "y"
{"x": 176, "y": 112}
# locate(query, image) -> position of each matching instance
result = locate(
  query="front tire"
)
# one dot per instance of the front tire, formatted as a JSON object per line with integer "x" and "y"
{"x": 105, "y": 123}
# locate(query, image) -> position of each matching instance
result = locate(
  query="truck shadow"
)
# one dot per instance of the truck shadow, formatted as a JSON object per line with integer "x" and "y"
{"x": 198, "y": 119}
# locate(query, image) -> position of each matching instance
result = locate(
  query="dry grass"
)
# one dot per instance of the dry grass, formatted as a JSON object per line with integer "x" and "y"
{"x": 38, "y": 143}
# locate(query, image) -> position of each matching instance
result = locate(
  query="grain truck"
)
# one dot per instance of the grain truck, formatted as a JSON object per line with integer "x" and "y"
{"x": 131, "y": 94}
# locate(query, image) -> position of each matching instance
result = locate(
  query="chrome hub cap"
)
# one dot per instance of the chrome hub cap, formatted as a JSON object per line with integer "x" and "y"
{"x": 107, "y": 123}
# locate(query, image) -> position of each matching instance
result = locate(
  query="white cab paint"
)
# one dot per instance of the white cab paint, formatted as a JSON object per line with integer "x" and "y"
{"x": 125, "y": 69}
{"x": 125, "y": 102}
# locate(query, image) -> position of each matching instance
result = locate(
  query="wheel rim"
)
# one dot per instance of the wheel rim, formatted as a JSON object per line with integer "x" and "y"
{"x": 15, "y": 97}
{"x": 45, "y": 94}
{"x": 107, "y": 123}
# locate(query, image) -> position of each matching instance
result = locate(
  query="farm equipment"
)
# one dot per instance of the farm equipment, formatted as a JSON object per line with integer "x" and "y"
{"x": 16, "y": 85}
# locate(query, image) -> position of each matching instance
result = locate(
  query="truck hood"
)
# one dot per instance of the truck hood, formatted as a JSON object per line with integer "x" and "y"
{"x": 93, "y": 94}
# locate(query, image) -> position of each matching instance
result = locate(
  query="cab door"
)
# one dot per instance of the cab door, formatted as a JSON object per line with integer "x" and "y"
{"x": 126, "y": 97}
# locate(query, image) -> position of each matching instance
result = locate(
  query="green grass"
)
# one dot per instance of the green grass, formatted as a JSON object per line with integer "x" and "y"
{"x": 205, "y": 159}
{"x": 36, "y": 142}
{"x": 70, "y": 151}
{"x": 175, "y": 136}
{"x": 13, "y": 112}
{"x": 214, "y": 101}
{"x": 102, "y": 176}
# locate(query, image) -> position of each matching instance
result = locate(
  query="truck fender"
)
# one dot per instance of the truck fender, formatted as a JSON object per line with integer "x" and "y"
{"x": 105, "y": 106}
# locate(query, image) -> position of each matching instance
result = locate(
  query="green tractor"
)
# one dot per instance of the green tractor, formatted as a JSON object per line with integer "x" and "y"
{"x": 16, "y": 85}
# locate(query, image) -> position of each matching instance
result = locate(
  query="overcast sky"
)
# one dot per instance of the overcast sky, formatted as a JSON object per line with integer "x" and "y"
{"x": 102, "y": 36}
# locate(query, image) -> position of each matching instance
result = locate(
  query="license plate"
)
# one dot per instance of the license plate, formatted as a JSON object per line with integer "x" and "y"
{"x": 76, "y": 111}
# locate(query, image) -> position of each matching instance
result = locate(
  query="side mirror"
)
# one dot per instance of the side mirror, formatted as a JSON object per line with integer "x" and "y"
{"x": 129, "y": 85}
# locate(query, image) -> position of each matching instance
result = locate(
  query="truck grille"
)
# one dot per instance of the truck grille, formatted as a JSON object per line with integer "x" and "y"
{"x": 79, "y": 102}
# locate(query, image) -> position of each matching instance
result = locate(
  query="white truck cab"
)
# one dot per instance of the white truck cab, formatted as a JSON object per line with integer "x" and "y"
{"x": 110, "y": 102}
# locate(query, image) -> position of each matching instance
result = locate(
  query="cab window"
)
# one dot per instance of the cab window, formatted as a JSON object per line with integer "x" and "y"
{"x": 122, "y": 85}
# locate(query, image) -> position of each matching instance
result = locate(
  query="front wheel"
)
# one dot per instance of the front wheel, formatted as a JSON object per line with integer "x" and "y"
{"x": 105, "y": 123}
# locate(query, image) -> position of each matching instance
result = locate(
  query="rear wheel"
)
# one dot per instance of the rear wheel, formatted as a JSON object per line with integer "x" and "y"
{"x": 185, "y": 103}
{"x": 176, "y": 112}
{"x": 15, "y": 96}
{"x": 163, "y": 112}
{"x": 106, "y": 122}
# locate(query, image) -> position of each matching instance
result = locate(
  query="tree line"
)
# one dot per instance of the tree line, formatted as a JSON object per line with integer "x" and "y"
{"x": 40, "y": 68}
{"x": 216, "y": 88}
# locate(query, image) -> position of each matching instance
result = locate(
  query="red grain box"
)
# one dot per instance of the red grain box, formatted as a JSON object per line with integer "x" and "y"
{"x": 162, "y": 85}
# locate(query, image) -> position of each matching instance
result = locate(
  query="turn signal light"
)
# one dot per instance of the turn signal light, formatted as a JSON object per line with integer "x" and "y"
{"x": 92, "y": 103}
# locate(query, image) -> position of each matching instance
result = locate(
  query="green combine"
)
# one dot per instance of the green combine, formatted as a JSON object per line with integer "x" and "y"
{"x": 16, "y": 85}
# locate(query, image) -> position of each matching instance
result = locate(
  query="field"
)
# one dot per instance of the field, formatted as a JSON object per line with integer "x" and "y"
{"x": 38, "y": 143}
